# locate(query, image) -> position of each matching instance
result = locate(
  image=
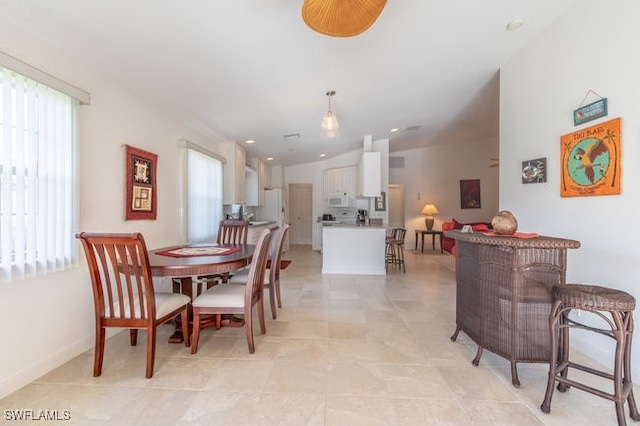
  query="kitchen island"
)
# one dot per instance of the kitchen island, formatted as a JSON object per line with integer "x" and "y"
{"x": 353, "y": 249}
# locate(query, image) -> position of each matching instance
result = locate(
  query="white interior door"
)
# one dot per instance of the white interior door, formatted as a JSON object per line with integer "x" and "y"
{"x": 396, "y": 206}
{"x": 300, "y": 208}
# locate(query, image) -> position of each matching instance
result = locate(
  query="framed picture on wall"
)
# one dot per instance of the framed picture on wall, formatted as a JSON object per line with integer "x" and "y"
{"x": 470, "y": 194}
{"x": 591, "y": 160}
{"x": 141, "y": 190}
{"x": 534, "y": 171}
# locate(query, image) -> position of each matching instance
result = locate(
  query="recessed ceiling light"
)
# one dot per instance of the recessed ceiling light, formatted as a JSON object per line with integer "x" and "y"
{"x": 515, "y": 24}
{"x": 395, "y": 129}
{"x": 269, "y": 158}
{"x": 323, "y": 154}
{"x": 250, "y": 141}
{"x": 292, "y": 136}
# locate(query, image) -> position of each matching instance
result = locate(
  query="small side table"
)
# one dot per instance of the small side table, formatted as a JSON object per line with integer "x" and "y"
{"x": 433, "y": 234}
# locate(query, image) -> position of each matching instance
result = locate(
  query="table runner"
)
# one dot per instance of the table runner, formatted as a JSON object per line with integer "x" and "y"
{"x": 199, "y": 251}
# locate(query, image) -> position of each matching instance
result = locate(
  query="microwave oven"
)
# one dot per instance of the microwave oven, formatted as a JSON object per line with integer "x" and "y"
{"x": 338, "y": 199}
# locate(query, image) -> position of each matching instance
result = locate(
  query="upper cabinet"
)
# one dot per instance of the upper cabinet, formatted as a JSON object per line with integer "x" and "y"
{"x": 370, "y": 175}
{"x": 341, "y": 179}
{"x": 234, "y": 174}
{"x": 256, "y": 181}
{"x": 251, "y": 186}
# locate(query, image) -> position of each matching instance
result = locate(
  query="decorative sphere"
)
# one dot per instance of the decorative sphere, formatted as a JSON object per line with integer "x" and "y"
{"x": 504, "y": 223}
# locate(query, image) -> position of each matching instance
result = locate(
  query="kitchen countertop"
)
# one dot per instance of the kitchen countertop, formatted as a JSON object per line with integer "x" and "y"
{"x": 354, "y": 226}
{"x": 258, "y": 223}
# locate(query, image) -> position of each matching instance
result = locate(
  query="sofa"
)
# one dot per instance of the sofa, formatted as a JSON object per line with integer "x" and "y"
{"x": 448, "y": 244}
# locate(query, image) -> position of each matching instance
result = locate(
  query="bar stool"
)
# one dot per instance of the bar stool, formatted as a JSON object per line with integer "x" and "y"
{"x": 599, "y": 301}
{"x": 394, "y": 252}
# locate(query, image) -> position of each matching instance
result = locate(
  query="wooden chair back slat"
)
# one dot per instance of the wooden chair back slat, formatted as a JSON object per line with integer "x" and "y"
{"x": 120, "y": 276}
{"x": 233, "y": 231}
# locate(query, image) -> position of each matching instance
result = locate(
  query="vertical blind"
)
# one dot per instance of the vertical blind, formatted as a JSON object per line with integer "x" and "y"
{"x": 204, "y": 196}
{"x": 38, "y": 177}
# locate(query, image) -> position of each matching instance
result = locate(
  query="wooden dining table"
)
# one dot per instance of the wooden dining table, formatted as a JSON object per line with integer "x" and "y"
{"x": 184, "y": 262}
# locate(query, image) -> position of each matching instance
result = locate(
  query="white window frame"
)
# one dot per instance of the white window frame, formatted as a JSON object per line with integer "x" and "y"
{"x": 208, "y": 230}
{"x": 38, "y": 156}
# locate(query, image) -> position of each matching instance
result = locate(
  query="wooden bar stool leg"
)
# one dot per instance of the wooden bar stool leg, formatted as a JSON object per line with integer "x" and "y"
{"x": 554, "y": 357}
{"x": 615, "y": 308}
{"x": 633, "y": 408}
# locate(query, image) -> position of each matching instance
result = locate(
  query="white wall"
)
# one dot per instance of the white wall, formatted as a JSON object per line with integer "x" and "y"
{"x": 435, "y": 173}
{"x": 49, "y": 319}
{"x": 593, "y": 46}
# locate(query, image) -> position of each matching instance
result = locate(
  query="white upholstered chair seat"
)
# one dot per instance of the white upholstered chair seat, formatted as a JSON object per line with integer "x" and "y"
{"x": 240, "y": 277}
{"x": 165, "y": 303}
{"x": 223, "y": 296}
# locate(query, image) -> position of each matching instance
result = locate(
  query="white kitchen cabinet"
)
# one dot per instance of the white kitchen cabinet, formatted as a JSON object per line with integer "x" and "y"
{"x": 234, "y": 186}
{"x": 254, "y": 234}
{"x": 340, "y": 179}
{"x": 260, "y": 183}
{"x": 370, "y": 175}
{"x": 251, "y": 186}
{"x": 317, "y": 244}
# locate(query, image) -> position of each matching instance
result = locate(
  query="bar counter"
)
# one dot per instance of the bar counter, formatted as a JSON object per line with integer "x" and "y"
{"x": 503, "y": 296}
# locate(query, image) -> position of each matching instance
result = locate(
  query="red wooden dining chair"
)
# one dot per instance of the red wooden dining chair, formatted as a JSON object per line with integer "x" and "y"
{"x": 225, "y": 299}
{"x": 123, "y": 292}
{"x": 230, "y": 231}
{"x": 272, "y": 273}
{"x": 233, "y": 231}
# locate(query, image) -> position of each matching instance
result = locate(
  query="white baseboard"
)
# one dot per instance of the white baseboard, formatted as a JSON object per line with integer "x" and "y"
{"x": 42, "y": 367}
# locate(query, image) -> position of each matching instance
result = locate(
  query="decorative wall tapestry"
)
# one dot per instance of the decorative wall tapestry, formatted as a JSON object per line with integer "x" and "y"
{"x": 141, "y": 184}
{"x": 591, "y": 160}
{"x": 470, "y": 194}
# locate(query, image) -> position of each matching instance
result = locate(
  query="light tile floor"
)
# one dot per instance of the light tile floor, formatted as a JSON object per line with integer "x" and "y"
{"x": 345, "y": 350}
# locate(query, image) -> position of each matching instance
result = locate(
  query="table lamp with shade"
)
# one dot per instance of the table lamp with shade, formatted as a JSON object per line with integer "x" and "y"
{"x": 429, "y": 210}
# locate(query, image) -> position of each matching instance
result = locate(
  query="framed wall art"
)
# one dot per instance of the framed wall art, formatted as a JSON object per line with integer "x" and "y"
{"x": 142, "y": 196}
{"x": 470, "y": 194}
{"x": 534, "y": 171}
{"x": 590, "y": 112}
{"x": 591, "y": 160}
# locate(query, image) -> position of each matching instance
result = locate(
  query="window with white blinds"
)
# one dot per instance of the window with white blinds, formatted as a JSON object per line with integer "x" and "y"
{"x": 204, "y": 196}
{"x": 38, "y": 178}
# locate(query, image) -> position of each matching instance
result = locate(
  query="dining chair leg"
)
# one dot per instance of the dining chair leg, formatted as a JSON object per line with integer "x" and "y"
{"x": 248, "y": 329}
{"x": 195, "y": 337}
{"x": 151, "y": 350}
{"x": 184, "y": 318}
{"x": 263, "y": 325}
{"x": 272, "y": 301}
{"x": 99, "y": 355}
{"x": 133, "y": 336}
{"x": 277, "y": 284}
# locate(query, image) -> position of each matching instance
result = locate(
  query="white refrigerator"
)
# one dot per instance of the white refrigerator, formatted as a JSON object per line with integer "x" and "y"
{"x": 275, "y": 209}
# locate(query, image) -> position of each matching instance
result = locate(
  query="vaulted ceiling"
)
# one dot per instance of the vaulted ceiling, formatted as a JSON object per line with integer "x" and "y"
{"x": 242, "y": 69}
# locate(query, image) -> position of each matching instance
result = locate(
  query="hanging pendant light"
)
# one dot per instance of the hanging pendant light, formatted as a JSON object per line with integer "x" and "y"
{"x": 341, "y": 18}
{"x": 330, "y": 127}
